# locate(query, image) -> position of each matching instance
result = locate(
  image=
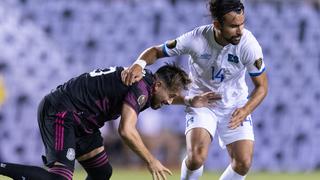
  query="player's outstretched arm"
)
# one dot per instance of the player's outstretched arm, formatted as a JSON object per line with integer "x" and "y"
{"x": 259, "y": 92}
{"x": 129, "y": 134}
{"x": 134, "y": 73}
{"x": 201, "y": 100}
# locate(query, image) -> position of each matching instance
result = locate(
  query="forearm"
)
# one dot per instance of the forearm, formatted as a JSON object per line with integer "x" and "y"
{"x": 197, "y": 101}
{"x": 151, "y": 54}
{"x": 256, "y": 97}
{"x": 135, "y": 143}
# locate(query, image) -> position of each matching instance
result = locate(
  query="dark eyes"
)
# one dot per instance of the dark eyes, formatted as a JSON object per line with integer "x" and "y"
{"x": 235, "y": 26}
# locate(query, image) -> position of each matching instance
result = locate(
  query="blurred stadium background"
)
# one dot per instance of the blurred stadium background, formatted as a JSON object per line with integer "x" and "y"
{"x": 44, "y": 43}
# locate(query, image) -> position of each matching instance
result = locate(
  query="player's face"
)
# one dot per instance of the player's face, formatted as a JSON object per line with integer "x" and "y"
{"x": 162, "y": 96}
{"x": 232, "y": 28}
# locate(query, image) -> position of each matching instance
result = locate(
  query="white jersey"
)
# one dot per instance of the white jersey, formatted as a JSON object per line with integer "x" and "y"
{"x": 217, "y": 68}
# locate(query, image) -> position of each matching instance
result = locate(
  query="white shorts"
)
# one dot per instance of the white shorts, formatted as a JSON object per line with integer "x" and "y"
{"x": 217, "y": 120}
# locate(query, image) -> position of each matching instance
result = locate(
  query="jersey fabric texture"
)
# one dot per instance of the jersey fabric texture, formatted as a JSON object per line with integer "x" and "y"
{"x": 98, "y": 96}
{"x": 217, "y": 68}
{"x": 70, "y": 116}
{"x": 220, "y": 69}
{"x": 214, "y": 120}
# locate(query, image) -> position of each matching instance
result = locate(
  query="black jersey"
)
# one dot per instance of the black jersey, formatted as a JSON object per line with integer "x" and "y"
{"x": 98, "y": 96}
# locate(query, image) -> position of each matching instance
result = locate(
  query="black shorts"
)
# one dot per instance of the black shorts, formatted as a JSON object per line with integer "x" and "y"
{"x": 60, "y": 137}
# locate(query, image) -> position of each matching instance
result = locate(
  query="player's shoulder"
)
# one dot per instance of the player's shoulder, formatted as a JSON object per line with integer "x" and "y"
{"x": 148, "y": 76}
{"x": 248, "y": 41}
{"x": 202, "y": 30}
{"x": 248, "y": 38}
{"x": 145, "y": 83}
{"x": 142, "y": 89}
{"x": 119, "y": 68}
{"x": 199, "y": 35}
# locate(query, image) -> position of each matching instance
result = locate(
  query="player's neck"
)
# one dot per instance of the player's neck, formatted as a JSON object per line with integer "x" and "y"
{"x": 219, "y": 39}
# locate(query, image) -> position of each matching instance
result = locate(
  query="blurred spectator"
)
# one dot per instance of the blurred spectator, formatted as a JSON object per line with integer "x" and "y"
{"x": 2, "y": 91}
{"x": 161, "y": 135}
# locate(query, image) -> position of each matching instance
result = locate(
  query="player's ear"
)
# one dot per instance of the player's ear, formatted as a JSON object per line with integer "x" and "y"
{"x": 157, "y": 85}
{"x": 217, "y": 24}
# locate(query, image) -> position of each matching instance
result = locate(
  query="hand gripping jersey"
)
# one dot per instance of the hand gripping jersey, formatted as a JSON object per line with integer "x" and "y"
{"x": 98, "y": 96}
{"x": 217, "y": 68}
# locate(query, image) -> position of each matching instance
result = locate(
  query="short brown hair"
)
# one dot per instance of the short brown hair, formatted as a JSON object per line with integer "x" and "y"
{"x": 173, "y": 76}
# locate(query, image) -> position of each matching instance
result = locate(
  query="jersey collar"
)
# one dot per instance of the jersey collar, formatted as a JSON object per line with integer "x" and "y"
{"x": 213, "y": 39}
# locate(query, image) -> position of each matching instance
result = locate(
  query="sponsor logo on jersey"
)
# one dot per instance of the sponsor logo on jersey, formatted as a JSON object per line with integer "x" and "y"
{"x": 205, "y": 56}
{"x": 171, "y": 44}
{"x": 258, "y": 63}
{"x": 142, "y": 100}
{"x": 190, "y": 121}
{"x": 233, "y": 58}
{"x": 71, "y": 154}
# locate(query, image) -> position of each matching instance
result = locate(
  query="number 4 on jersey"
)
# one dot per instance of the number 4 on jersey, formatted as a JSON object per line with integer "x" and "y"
{"x": 217, "y": 76}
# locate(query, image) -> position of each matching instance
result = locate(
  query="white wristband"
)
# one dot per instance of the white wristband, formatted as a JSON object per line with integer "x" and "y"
{"x": 141, "y": 63}
{"x": 187, "y": 100}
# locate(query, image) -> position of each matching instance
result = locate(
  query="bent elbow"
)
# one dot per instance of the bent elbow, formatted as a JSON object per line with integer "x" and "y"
{"x": 123, "y": 132}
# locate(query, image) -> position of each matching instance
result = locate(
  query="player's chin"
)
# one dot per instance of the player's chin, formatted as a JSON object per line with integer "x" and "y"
{"x": 155, "y": 106}
{"x": 235, "y": 41}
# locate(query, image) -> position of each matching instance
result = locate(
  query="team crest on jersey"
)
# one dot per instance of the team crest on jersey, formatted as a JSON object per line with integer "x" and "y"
{"x": 171, "y": 44}
{"x": 233, "y": 58}
{"x": 258, "y": 63}
{"x": 71, "y": 154}
{"x": 142, "y": 100}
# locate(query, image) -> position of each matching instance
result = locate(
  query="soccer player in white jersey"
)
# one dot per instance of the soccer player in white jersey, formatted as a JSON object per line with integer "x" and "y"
{"x": 220, "y": 54}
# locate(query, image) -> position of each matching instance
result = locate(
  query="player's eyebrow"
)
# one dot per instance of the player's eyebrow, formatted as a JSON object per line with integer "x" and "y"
{"x": 235, "y": 25}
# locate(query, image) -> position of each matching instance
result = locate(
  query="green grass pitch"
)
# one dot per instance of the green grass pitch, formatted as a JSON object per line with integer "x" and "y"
{"x": 122, "y": 174}
{"x": 141, "y": 174}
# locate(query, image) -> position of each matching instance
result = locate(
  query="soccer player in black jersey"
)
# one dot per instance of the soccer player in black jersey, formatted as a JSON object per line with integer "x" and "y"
{"x": 70, "y": 116}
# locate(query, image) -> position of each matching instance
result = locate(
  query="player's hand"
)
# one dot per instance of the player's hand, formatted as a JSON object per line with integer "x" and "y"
{"x": 238, "y": 117}
{"x": 132, "y": 74}
{"x": 158, "y": 171}
{"x": 204, "y": 99}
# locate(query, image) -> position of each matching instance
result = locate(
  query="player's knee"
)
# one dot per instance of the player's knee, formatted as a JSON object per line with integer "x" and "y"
{"x": 97, "y": 167}
{"x": 197, "y": 156}
{"x": 100, "y": 173}
{"x": 106, "y": 171}
{"x": 59, "y": 173}
{"x": 195, "y": 161}
{"x": 57, "y": 177}
{"x": 242, "y": 165}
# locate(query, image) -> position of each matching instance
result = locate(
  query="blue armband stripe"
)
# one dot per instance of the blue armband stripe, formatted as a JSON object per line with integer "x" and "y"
{"x": 164, "y": 50}
{"x": 257, "y": 74}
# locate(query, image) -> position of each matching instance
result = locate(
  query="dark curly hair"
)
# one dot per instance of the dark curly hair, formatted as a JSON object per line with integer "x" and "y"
{"x": 218, "y": 8}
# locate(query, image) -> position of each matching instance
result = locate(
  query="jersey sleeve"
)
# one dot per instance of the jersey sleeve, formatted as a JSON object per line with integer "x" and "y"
{"x": 179, "y": 46}
{"x": 137, "y": 96}
{"x": 253, "y": 57}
